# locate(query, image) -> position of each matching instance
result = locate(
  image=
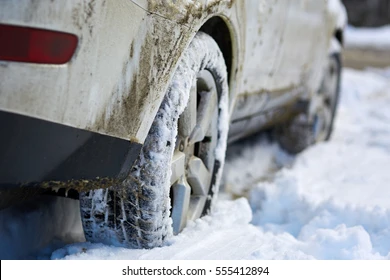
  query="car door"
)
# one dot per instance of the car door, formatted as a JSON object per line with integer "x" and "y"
{"x": 265, "y": 22}
{"x": 303, "y": 48}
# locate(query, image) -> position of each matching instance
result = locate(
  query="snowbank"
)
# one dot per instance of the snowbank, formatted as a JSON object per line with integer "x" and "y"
{"x": 368, "y": 38}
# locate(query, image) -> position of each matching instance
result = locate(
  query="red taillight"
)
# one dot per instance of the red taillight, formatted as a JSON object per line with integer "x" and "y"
{"x": 25, "y": 44}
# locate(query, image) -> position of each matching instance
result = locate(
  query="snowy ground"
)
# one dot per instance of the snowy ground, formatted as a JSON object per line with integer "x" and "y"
{"x": 330, "y": 202}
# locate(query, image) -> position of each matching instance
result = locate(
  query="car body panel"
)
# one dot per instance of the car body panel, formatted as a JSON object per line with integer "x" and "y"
{"x": 128, "y": 51}
{"x": 103, "y": 88}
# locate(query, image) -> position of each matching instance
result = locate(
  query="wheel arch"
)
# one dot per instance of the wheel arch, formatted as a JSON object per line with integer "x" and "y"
{"x": 219, "y": 29}
{"x": 339, "y": 35}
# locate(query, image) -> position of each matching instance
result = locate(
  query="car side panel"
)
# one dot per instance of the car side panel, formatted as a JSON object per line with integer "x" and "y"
{"x": 264, "y": 28}
{"x": 304, "y": 46}
{"x": 265, "y": 24}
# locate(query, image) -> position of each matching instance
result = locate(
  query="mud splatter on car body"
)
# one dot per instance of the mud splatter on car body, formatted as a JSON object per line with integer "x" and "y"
{"x": 128, "y": 51}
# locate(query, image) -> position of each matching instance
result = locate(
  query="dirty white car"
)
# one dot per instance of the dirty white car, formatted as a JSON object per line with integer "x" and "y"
{"x": 131, "y": 103}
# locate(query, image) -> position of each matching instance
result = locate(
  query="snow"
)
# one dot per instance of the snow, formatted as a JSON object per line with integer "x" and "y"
{"x": 368, "y": 38}
{"x": 329, "y": 202}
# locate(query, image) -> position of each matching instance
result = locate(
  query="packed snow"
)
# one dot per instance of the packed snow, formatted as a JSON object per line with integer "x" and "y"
{"x": 329, "y": 202}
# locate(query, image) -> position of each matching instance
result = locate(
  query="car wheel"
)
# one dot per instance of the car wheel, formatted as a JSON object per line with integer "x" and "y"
{"x": 316, "y": 124}
{"x": 177, "y": 173}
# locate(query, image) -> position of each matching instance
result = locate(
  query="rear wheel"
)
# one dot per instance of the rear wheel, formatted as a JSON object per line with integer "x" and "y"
{"x": 316, "y": 124}
{"x": 178, "y": 171}
{"x": 194, "y": 156}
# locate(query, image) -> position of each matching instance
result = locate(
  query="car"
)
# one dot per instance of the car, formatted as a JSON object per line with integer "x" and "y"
{"x": 129, "y": 105}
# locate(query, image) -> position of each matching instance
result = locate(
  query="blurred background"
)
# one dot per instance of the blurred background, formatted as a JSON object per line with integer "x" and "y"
{"x": 367, "y": 38}
{"x": 371, "y": 13}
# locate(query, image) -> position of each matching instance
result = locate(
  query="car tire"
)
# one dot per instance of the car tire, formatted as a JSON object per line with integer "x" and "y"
{"x": 316, "y": 123}
{"x": 176, "y": 176}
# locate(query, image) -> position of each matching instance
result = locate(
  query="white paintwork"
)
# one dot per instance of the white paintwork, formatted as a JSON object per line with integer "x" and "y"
{"x": 126, "y": 56}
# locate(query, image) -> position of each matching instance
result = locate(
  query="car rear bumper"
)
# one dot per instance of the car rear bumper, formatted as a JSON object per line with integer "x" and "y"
{"x": 89, "y": 91}
{"x": 39, "y": 153}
